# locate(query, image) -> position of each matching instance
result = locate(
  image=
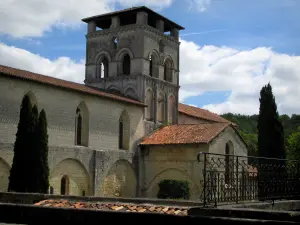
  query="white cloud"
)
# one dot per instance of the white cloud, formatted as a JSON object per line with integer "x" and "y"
{"x": 199, "y": 5}
{"x": 152, "y": 3}
{"x": 32, "y": 18}
{"x": 62, "y": 67}
{"x": 212, "y": 68}
{"x": 206, "y": 68}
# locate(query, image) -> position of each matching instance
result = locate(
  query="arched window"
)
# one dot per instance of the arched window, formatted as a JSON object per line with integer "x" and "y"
{"x": 64, "y": 185}
{"x": 149, "y": 103}
{"x": 102, "y": 68}
{"x": 78, "y": 127}
{"x": 124, "y": 131}
{"x": 153, "y": 64}
{"x": 121, "y": 133}
{"x": 171, "y": 109}
{"x": 168, "y": 76}
{"x": 151, "y": 67}
{"x": 126, "y": 64}
{"x": 115, "y": 42}
{"x": 229, "y": 164}
{"x": 32, "y": 98}
{"x": 82, "y": 125}
{"x": 161, "y": 107}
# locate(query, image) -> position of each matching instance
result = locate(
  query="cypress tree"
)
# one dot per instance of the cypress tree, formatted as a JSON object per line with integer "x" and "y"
{"x": 33, "y": 153}
{"x": 42, "y": 143}
{"x": 270, "y": 143}
{"x": 270, "y": 129}
{"x": 18, "y": 173}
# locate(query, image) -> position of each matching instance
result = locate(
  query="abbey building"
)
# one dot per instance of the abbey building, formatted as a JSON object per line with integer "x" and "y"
{"x": 123, "y": 130}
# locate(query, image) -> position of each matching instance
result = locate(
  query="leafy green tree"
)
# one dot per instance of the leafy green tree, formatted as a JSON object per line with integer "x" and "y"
{"x": 18, "y": 178}
{"x": 293, "y": 146}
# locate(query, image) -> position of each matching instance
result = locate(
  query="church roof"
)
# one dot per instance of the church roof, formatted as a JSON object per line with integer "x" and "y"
{"x": 200, "y": 113}
{"x": 185, "y": 134}
{"x": 26, "y": 75}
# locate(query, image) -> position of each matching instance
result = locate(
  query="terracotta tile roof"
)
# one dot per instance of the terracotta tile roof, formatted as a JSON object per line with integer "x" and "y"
{"x": 26, "y": 75}
{"x": 185, "y": 134}
{"x": 200, "y": 113}
{"x": 121, "y": 207}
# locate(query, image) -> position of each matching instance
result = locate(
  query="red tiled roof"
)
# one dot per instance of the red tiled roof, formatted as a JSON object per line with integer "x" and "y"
{"x": 121, "y": 207}
{"x": 200, "y": 113}
{"x": 26, "y": 75}
{"x": 185, "y": 134}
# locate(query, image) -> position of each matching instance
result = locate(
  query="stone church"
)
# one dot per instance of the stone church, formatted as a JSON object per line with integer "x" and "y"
{"x": 123, "y": 130}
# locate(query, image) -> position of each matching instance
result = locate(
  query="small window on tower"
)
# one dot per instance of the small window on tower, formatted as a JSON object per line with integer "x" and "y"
{"x": 115, "y": 40}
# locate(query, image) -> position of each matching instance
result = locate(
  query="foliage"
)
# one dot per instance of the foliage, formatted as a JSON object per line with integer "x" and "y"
{"x": 42, "y": 148}
{"x": 18, "y": 178}
{"x": 173, "y": 189}
{"x": 247, "y": 127}
{"x": 29, "y": 171}
{"x": 270, "y": 130}
{"x": 293, "y": 146}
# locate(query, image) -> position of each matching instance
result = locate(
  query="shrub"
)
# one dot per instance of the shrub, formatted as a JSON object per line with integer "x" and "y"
{"x": 173, "y": 189}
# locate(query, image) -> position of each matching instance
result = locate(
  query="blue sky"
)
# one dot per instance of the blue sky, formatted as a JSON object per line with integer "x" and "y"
{"x": 236, "y": 25}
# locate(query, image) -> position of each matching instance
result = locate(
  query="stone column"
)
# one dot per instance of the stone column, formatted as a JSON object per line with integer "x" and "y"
{"x": 115, "y": 22}
{"x": 160, "y": 25}
{"x": 142, "y": 18}
{"x": 91, "y": 27}
{"x": 175, "y": 33}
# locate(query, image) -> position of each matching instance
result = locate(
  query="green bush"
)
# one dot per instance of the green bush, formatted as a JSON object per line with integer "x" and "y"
{"x": 173, "y": 189}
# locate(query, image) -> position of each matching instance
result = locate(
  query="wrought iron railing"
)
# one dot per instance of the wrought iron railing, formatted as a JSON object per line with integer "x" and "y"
{"x": 233, "y": 178}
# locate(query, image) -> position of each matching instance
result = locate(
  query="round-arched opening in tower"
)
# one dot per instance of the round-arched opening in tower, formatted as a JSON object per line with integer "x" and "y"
{"x": 70, "y": 177}
{"x": 120, "y": 181}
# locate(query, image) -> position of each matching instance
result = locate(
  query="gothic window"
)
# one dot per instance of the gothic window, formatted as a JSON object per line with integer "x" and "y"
{"x": 82, "y": 125}
{"x": 168, "y": 70}
{"x": 78, "y": 127}
{"x": 149, "y": 103}
{"x": 124, "y": 131}
{"x": 126, "y": 64}
{"x": 171, "y": 109}
{"x": 161, "y": 107}
{"x": 102, "y": 68}
{"x": 229, "y": 163}
{"x": 121, "y": 133}
{"x": 151, "y": 67}
{"x": 64, "y": 185}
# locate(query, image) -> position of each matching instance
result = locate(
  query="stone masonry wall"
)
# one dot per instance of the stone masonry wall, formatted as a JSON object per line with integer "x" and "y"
{"x": 86, "y": 167}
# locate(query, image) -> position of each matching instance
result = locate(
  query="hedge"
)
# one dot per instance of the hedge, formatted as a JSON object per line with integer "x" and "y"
{"x": 173, "y": 189}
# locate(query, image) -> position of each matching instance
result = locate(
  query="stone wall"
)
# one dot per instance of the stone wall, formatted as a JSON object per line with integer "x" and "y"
{"x": 171, "y": 162}
{"x": 60, "y": 106}
{"x": 228, "y": 135}
{"x": 85, "y": 167}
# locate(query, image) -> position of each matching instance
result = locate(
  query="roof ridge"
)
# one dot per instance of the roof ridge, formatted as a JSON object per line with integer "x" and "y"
{"x": 61, "y": 83}
{"x": 40, "y": 74}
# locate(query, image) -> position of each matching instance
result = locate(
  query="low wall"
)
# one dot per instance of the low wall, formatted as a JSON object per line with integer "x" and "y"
{"x": 31, "y": 198}
{"x": 29, "y": 214}
{"x": 282, "y": 205}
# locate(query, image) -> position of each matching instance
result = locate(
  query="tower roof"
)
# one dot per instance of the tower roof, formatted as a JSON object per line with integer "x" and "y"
{"x": 103, "y": 21}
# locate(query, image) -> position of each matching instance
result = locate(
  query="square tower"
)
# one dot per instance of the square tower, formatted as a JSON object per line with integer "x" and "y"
{"x": 135, "y": 53}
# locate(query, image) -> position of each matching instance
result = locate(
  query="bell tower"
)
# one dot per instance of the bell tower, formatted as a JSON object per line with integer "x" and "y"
{"x": 135, "y": 53}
